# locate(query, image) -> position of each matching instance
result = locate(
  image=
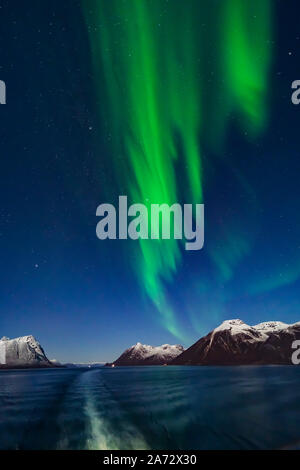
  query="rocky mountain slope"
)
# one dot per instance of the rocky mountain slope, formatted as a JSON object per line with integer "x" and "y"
{"x": 142, "y": 354}
{"x": 22, "y": 352}
{"x": 236, "y": 343}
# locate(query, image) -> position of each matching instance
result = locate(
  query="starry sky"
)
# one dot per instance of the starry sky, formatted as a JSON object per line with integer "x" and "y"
{"x": 163, "y": 101}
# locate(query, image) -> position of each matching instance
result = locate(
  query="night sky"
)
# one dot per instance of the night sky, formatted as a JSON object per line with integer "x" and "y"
{"x": 162, "y": 101}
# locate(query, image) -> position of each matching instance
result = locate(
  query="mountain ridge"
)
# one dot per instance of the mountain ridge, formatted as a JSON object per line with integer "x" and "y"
{"x": 237, "y": 343}
{"x": 144, "y": 354}
{"x": 22, "y": 352}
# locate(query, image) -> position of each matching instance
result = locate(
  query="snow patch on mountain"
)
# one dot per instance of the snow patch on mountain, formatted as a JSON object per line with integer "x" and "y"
{"x": 271, "y": 326}
{"x": 144, "y": 351}
{"x": 260, "y": 330}
{"x": 235, "y": 326}
{"x": 144, "y": 354}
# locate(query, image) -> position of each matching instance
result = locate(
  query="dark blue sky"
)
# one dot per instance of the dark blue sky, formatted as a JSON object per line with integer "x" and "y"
{"x": 80, "y": 296}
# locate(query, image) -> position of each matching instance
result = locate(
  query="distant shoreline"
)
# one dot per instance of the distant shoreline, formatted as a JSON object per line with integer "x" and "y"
{"x": 25, "y": 367}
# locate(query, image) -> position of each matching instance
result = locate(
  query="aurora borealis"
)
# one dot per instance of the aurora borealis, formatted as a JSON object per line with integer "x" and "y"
{"x": 154, "y": 102}
{"x": 163, "y": 101}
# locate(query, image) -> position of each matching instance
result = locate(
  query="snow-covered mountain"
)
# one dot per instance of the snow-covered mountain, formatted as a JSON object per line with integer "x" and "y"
{"x": 143, "y": 354}
{"x": 236, "y": 343}
{"x": 22, "y": 352}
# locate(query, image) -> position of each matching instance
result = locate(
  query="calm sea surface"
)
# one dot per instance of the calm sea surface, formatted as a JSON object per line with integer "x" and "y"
{"x": 151, "y": 408}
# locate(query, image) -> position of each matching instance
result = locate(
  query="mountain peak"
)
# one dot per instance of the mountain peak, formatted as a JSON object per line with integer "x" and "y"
{"x": 144, "y": 354}
{"x": 271, "y": 326}
{"x": 24, "y": 351}
{"x": 236, "y": 326}
{"x": 233, "y": 322}
{"x": 140, "y": 346}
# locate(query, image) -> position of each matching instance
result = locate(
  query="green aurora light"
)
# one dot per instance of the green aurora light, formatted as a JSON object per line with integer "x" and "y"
{"x": 150, "y": 59}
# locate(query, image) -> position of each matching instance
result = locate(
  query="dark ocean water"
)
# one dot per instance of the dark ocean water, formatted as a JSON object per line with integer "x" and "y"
{"x": 151, "y": 408}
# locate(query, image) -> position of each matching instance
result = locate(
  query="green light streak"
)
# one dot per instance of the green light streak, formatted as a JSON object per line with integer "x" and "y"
{"x": 147, "y": 59}
{"x": 246, "y": 55}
